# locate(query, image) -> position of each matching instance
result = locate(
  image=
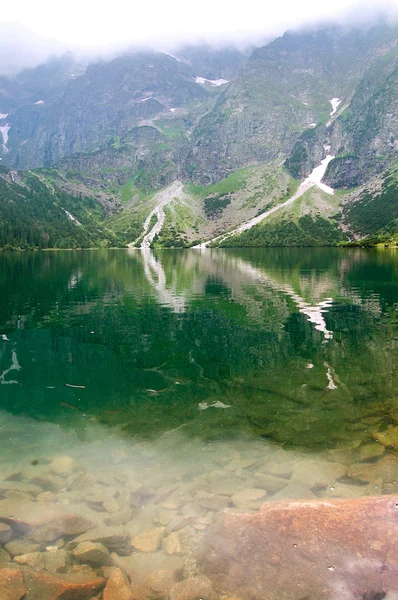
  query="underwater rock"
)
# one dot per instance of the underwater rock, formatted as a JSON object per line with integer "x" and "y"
{"x": 5, "y": 533}
{"x": 172, "y": 544}
{"x": 195, "y": 588}
{"x": 148, "y": 541}
{"x": 152, "y": 575}
{"x": 31, "y": 559}
{"x": 250, "y": 499}
{"x": 93, "y": 554}
{"x": 11, "y": 584}
{"x": 117, "y": 587}
{"x": 388, "y": 438}
{"x": 306, "y": 549}
{"x": 48, "y": 586}
{"x": 111, "y": 537}
{"x": 64, "y": 466}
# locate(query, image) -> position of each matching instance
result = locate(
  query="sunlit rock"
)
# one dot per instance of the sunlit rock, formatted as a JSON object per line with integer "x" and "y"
{"x": 118, "y": 587}
{"x": 11, "y": 584}
{"x": 331, "y": 549}
{"x": 148, "y": 541}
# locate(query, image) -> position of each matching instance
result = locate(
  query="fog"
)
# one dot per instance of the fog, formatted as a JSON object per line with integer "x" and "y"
{"x": 31, "y": 32}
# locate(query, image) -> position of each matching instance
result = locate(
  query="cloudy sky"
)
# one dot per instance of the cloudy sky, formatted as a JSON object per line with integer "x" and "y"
{"x": 30, "y": 29}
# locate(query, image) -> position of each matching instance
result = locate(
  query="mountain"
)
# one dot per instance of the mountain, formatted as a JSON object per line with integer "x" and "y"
{"x": 240, "y": 130}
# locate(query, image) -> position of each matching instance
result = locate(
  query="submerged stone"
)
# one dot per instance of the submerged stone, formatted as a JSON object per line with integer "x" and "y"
{"x": 306, "y": 549}
{"x": 118, "y": 587}
{"x": 148, "y": 541}
{"x": 94, "y": 554}
{"x": 48, "y": 586}
{"x": 12, "y": 586}
{"x": 195, "y": 588}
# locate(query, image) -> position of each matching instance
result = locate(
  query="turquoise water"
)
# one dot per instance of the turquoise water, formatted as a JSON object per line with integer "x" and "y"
{"x": 199, "y": 374}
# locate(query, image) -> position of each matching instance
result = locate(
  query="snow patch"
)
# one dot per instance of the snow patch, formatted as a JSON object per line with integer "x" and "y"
{"x": 40, "y": 102}
{"x": 4, "y": 132}
{"x": 331, "y": 385}
{"x": 218, "y": 404}
{"x": 71, "y": 217}
{"x": 172, "y": 56}
{"x": 146, "y": 99}
{"x": 4, "y": 115}
{"x": 335, "y": 104}
{"x": 4, "y": 337}
{"x": 312, "y": 125}
{"x": 172, "y": 109}
{"x": 213, "y": 82}
{"x": 15, "y": 366}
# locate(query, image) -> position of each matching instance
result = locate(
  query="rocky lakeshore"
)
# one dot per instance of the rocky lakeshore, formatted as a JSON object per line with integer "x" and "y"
{"x": 182, "y": 520}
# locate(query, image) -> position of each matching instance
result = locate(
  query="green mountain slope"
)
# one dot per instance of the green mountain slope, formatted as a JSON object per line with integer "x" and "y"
{"x": 35, "y": 215}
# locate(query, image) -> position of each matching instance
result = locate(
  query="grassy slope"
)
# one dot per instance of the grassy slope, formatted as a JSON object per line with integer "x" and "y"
{"x": 209, "y": 210}
{"x": 311, "y": 221}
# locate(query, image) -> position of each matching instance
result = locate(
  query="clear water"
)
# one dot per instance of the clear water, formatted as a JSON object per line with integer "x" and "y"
{"x": 190, "y": 376}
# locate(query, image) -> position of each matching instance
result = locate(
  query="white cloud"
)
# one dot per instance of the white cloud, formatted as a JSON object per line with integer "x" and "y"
{"x": 105, "y": 27}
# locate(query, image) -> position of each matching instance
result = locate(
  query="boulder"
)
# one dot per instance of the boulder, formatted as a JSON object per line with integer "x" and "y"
{"x": 48, "y": 586}
{"x": 118, "y": 587}
{"x": 94, "y": 554}
{"x": 11, "y": 584}
{"x": 334, "y": 549}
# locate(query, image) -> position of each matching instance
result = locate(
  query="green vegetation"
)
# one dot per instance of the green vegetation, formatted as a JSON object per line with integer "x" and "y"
{"x": 306, "y": 231}
{"x": 32, "y": 216}
{"x": 215, "y": 204}
{"x": 376, "y": 214}
{"x": 234, "y": 182}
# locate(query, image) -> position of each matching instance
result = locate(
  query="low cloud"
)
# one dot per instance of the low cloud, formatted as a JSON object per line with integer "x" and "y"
{"x": 32, "y": 32}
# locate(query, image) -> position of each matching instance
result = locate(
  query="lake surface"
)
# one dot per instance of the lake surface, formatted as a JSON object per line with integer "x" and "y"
{"x": 196, "y": 380}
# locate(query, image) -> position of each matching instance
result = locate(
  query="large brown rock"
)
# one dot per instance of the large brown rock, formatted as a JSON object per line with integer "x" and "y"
{"x": 46, "y": 586}
{"x": 117, "y": 587}
{"x": 11, "y": 584}
{"x": 335, "y": 550}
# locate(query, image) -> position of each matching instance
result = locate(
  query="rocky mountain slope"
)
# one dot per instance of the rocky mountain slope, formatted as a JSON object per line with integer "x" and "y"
{"x": 239, "y": 130}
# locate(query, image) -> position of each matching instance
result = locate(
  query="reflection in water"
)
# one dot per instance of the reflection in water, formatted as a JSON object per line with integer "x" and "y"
{"x": 158, "y": 389}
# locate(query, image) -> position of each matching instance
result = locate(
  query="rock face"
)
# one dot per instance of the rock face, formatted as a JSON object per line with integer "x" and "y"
{"x": 334, "y": 550}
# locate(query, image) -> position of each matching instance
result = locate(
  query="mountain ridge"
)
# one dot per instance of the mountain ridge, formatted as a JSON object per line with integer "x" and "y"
{"x": 124, "y": 129}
